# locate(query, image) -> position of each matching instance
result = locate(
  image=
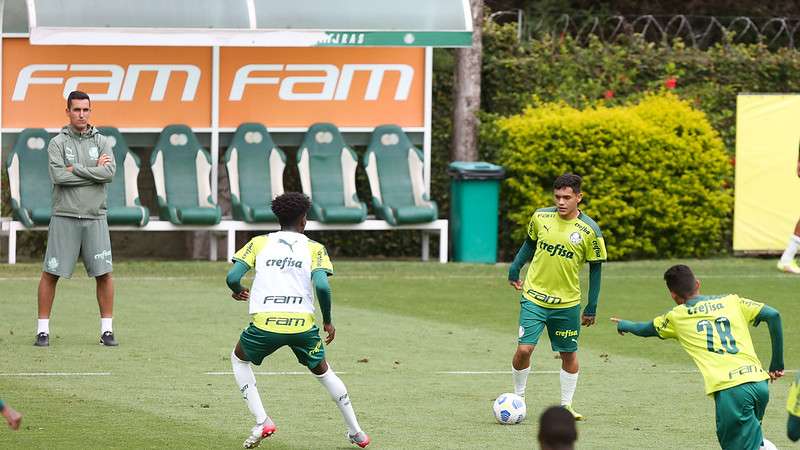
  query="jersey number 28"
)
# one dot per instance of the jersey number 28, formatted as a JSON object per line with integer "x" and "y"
{"x": 723, "y": 328}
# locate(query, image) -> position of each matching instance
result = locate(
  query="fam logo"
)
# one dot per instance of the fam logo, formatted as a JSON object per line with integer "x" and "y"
{"x": 121, "y": 83}
{"x": 283, "y": 299}
{"x": 285, "y": 321}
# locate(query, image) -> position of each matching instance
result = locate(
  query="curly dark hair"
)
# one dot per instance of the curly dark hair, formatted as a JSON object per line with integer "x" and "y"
{"x": 290, "y": 207}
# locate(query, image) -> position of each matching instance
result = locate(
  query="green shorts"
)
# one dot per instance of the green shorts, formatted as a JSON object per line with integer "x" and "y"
{"x": 563, "y": 325}
{"x": 68, "y": 237}
{"x": 307, "y": 346}
{"x": 739, "y": 413}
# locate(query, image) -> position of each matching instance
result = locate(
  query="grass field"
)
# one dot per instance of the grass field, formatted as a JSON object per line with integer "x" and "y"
{"x": 401, "y": 326}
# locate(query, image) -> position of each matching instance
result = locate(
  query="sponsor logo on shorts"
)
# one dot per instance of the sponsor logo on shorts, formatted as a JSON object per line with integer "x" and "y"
{"x": 521, "y": 331}
{"x": 567, "y": 333}
{"x": 316, "y": 349}
{"x": 105, "y": 255}
{"x": 52, "y": 263}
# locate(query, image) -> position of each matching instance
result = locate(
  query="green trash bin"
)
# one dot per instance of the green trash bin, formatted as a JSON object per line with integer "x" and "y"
{"x": 474, "y": 196}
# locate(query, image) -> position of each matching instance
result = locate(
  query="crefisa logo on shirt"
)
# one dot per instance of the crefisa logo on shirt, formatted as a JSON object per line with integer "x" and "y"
{"x": 284, "y": 263}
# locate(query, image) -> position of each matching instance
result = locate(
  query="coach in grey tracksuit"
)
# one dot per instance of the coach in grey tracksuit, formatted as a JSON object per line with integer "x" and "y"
{"x": 81, "y": 164}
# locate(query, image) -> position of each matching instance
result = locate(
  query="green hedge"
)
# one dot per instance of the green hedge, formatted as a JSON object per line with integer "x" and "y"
{"x": 655, "y": 173}
{"x": 613, "y": 74}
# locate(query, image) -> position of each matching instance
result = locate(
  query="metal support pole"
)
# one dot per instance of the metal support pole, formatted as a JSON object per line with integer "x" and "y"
{"x": 212, "y": 253}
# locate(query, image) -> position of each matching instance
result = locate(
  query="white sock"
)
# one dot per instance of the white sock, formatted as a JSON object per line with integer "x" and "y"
{"x": 105, "y": 324}
{"x": 791, "y": 250}
{"x": 568, "y": 383}
{"x": 246, "y": 381}
{"x": 43, "y": 326}
{"x": 339, "y": 395}
{"x": 520, "y": 380}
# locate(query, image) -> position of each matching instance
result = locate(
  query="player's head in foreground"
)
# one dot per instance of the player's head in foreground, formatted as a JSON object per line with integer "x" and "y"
{"x": 291, "y": 209}
{"x": 79, "y": 107}
{"x": 567, "y": 194}
{"x": 557, "y": 429}
{"x": 681, "y": 283}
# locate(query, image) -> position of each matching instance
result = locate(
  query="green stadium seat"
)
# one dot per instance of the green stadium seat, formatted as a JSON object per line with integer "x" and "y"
{"x": 29, "y": 178}
{"x": 124, "y": 207}
{"x": 255, "y": 172}
{"x": 327, "y": 169}
{"x": 395, "y": 171}
{"x": 181, "y": 171}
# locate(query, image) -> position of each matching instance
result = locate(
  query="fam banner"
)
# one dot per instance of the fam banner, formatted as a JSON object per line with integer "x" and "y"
{"x": 130, "y": 87}
{"x": 151, "y": 87}
{"x": 767, "y": 178}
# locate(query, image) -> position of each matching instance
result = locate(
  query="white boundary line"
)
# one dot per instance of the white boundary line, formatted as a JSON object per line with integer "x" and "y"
{"x": 491, "y": 372}
{"x": 269, "y": 373}
{"x": 56, "y": 374}
{"x": 434, "y": 277}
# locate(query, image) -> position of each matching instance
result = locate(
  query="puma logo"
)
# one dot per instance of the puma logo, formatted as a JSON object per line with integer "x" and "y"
{"x": 291, "y": 246}
{"x": 546, "y": 228}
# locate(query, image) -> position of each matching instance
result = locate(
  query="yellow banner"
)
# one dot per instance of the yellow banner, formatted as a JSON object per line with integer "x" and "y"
{"x": 767, "y": 182}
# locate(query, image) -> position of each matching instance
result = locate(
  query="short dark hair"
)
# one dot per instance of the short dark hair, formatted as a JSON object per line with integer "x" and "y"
{"x": 557, "y": 429}
{"x": 680, "y": 280}
{"x": 569, "y": 180}
{"x": 77, "y": 95}
{"x": 290, "y": 208}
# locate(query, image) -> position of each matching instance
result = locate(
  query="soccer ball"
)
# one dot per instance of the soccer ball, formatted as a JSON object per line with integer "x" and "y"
{"x": 509, "y": 409}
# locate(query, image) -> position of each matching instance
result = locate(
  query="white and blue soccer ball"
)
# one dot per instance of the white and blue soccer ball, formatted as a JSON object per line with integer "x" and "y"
{"x": 509, "y": 409}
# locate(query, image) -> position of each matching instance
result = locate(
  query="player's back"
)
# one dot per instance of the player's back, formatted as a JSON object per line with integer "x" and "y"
{"x": 281, "y": 298}
{"x": 715, "y": 332}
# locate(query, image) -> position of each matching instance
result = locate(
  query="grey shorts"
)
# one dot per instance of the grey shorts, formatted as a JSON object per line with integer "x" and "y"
{"x": 69, "y": 237}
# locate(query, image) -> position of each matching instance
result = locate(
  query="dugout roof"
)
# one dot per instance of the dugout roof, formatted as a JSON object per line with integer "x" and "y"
{"x": 262, "y": 23}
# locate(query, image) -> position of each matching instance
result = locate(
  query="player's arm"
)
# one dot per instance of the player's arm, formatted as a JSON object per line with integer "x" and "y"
{"x": 524, "y": 255}
{"x": 641, "y": 329}
{"x": 595, "y": 275}
{"x": 773, "y": 319}
{"x": 60, "y": 173}
{"x": 103, "y": 172}
{"x": 234, "y": 280}
{"x": 322, "y": 289}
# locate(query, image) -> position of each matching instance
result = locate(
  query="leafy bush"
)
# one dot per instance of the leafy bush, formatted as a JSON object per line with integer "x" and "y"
{"x": 655, "y": 173}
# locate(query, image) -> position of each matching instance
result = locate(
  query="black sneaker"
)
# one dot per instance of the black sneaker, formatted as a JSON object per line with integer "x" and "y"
{"x": 108, "y": 340}
{"x": 42, "y": 340}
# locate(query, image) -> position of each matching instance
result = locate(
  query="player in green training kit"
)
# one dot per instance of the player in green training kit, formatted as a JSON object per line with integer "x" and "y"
{"x": 560, "y": 240}
{"x": 288, "y": 267}
{"x": 793, "y": 406}
{"x": 714, "y": 331}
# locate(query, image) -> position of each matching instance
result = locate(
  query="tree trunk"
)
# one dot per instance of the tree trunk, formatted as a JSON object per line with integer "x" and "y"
{"x": 467, "y": 95}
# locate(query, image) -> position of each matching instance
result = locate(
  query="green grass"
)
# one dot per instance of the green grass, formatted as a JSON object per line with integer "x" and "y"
{"x": 176, "y": 322}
